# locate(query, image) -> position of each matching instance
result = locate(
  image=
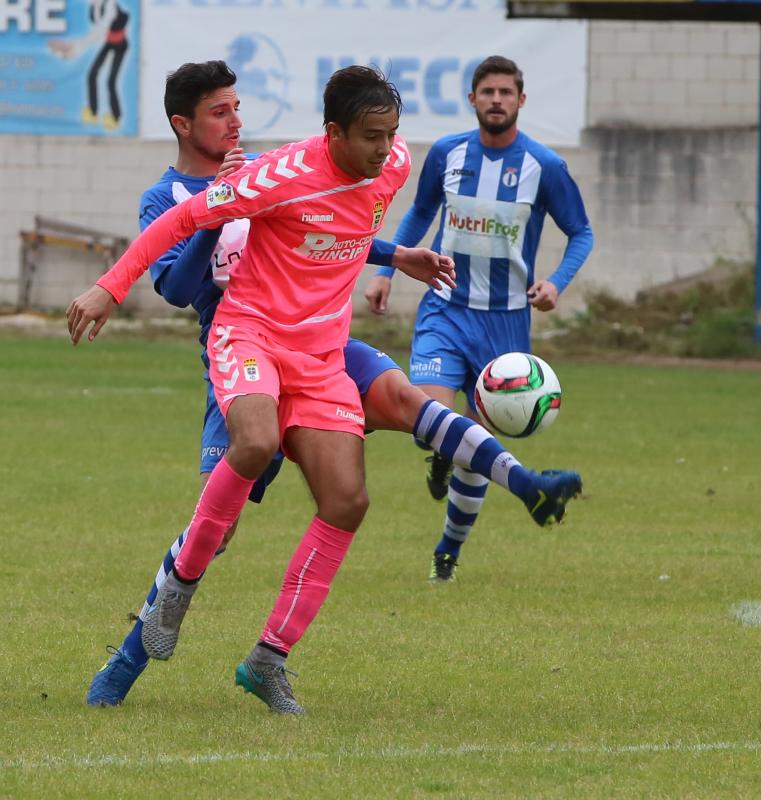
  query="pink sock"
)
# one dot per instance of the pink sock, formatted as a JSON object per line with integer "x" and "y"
{"x": 306, "y": 583}
{"x": 220, "y": 504}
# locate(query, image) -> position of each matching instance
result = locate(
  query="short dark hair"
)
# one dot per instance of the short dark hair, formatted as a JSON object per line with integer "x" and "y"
{"x": 353, "y": 92}
{"x": 499, "y": 65}
{"x": 188, "y": 84}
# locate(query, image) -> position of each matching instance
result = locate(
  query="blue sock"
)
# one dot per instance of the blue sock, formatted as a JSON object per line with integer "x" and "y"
{"x": 449, "y": 546}
{"x": 520, "y": 480}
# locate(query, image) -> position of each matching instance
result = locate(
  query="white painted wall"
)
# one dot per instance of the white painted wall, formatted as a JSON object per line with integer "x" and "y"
{"x": 667, "y": 168}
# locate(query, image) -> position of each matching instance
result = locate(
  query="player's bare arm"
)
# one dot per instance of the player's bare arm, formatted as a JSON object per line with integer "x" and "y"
{"x": 425, "y": 265}
{"x": 419, "y": 263}
{"x": 93, "y": 306}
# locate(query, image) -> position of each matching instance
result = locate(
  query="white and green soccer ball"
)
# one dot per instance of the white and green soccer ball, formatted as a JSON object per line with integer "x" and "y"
{"x": 518, "y": 394}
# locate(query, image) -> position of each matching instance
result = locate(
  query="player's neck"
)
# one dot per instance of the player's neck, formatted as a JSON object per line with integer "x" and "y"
{"x": 499, "y": 140}
{"x": 195, "y": 164}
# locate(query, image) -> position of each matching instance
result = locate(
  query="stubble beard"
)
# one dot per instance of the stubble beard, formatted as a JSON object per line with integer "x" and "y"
{"x": 495, "y": 128}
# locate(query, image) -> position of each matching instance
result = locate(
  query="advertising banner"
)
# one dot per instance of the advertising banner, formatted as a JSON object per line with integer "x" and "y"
{"x": 283, "y": 52}
{"x": 69, "y": 67}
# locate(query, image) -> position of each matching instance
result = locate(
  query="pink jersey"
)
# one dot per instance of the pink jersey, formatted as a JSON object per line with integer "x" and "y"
{"x": 311, "y": 228}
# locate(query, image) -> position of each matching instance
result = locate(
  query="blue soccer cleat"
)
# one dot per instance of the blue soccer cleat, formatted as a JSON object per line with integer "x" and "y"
{"x": 114, "y": 679}
{"x": 549, "y": 492}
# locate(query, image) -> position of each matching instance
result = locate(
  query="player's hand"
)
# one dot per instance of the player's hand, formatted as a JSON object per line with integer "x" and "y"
{"x": 234, "y": 159}
{"x": 377, "y": 293}
{"x": 543, "y": 296}
{"x": 425, "y": 265}
{"x": 93, "y": 306}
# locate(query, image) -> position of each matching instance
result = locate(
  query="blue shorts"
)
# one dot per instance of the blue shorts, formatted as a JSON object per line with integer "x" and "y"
{"x": 363, "y": 364}
{"x": 452, "y": 344}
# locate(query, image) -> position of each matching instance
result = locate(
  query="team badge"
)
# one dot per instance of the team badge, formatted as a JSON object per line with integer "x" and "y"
{"x": 250, "y": 369}
{"x": 377, "y": 213}
{"x": 219, "y": 194}
{"x": 510, "y": 177}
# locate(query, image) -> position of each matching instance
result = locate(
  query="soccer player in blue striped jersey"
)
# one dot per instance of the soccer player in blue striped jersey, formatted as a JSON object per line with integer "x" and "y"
{"x": 202, "y": 107}
{"x": 493, "y": 187}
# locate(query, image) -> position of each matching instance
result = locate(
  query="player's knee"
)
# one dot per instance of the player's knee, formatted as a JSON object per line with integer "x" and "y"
{"x": 410, "y": 400}
{"x": 252, "y": 450}
{"x": 345, "y": 510}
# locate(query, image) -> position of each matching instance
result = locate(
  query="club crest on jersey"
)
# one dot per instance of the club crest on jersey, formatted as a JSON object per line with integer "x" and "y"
{"x": 377, "y": 213}
{"x": 250, "y": 369}
{"x": 510, "y": 177}
{"x": 219, "y": 194}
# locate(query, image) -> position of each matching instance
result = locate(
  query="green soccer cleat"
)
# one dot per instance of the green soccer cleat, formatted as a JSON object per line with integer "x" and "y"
{"x": 269, "y": 682}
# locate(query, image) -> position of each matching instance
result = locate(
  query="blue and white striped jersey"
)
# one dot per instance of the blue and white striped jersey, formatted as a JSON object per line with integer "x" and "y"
{"x": 493, "y": 203}
{"x": 200, "y": 264}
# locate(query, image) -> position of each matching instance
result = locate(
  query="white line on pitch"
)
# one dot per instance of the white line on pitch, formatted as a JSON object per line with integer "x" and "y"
{"x": 399, "y": 753}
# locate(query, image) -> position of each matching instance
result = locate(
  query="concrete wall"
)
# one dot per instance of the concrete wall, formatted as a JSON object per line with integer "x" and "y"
{"x": 667, "y": 167}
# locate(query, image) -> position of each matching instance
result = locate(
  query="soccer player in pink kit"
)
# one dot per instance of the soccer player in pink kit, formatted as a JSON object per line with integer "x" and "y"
{"x": 275, "y": 350}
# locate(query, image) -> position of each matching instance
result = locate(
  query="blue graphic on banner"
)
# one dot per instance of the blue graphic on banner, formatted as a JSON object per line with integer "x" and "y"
{"x": 69, "y": 67}
{"x": 262, "y": 78}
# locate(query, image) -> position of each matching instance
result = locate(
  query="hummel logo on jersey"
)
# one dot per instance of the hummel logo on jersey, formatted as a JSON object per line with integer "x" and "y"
{"x": 342, "y": 412}
{"x": 317, "y": 217}
{"x": 268, "y": 175}
{"x": 219, "y": 194}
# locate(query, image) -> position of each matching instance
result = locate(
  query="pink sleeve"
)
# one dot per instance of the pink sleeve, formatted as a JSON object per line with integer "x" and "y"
{"x": 174, "y": 225}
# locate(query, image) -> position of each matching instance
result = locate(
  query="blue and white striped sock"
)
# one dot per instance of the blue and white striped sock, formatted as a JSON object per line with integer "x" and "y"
{"x": 132, "y": 646}
{"x": 470, "y": 446}
{"x": 467, "y": 491}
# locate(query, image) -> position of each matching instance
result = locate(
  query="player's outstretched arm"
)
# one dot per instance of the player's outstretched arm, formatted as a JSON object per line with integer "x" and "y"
{"x": 93, "y": 306}
{"x": 425, "y": 265}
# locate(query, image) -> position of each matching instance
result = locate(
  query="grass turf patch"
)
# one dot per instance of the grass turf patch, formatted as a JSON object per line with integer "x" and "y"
{"x": 597, "y": 659}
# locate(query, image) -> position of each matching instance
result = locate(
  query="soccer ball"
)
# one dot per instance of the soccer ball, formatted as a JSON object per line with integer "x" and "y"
{"x": 518, "y": 394}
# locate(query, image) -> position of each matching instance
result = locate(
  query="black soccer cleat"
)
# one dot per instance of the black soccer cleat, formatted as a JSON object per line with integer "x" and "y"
{"x": 438, "y": 477}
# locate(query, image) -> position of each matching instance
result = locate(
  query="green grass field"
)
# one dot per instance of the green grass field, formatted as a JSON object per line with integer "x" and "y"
{"x": 599, "y": 659}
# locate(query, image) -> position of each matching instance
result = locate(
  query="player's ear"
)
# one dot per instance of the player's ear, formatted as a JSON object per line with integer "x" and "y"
{"x": 472, "y": 99}
{"x": 180, "y": 124}
{"x": 334, "y": 131}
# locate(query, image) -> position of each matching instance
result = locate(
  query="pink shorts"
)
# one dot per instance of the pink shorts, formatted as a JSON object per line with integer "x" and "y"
{"x": 310, "y": 391}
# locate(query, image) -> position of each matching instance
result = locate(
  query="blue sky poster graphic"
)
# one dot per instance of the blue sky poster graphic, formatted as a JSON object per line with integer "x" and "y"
{"x": 69, "y": 67}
